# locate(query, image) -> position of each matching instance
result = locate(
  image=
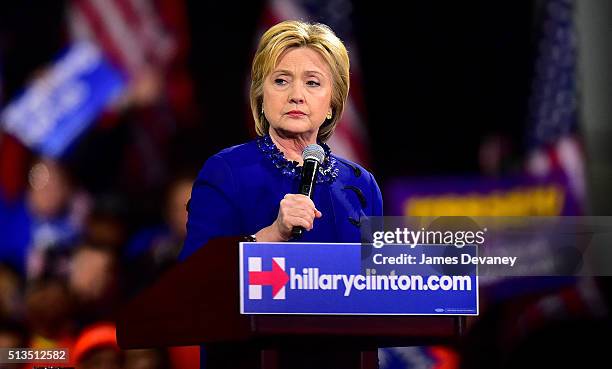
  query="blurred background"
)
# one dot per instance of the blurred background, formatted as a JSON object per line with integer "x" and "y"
{"x": 108, "y": 109}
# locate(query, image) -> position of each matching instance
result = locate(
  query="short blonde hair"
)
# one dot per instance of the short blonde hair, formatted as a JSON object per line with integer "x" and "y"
{"x": 290, "y": 34}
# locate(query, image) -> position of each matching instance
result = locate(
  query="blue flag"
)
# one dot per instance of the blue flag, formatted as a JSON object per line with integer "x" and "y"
{"x": 57, "y": 107}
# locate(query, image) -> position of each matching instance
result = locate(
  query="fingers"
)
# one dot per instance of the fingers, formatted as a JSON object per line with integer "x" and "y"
{"x": 296, "y": 216}
{"x": 301, "y": 201}
{"x": 296, "y": 211}
{"x": 300, "y": 222}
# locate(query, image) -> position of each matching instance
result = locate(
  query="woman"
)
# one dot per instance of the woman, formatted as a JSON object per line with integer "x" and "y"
{"x": 300, "y": 82}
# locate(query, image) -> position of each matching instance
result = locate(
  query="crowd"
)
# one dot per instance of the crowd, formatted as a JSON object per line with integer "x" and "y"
{"x": 68, "y": 261}
{"x": 82, "y": 233}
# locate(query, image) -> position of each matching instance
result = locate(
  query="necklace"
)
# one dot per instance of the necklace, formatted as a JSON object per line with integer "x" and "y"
{"x": 327, "y": 171}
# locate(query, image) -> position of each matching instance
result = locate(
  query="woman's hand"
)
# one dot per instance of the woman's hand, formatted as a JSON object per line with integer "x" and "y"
{"x": 294, "y": 211}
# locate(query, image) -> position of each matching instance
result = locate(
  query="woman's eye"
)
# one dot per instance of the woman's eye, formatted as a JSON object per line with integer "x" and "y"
{"x": 313, "y": 83}
{"x": 280, "y": 82}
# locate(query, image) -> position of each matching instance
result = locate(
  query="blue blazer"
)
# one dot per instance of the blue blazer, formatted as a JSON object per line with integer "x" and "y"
{"x": 238, "y": 192}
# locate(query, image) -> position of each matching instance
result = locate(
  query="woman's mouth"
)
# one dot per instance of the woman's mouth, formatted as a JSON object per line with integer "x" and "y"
{"x": 296, "y": 114}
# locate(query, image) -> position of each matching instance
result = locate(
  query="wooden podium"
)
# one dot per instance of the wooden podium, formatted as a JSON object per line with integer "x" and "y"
{"x": 198, "y": 302}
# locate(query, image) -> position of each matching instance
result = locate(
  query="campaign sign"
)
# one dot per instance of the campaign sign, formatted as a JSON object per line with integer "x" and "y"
{"x": 478, "y": 197}
{"x": 326, "y": 278}
{"x": 63, "y": 101}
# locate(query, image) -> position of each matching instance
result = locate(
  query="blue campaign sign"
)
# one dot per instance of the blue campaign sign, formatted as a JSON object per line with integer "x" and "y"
{"x": 64, "y": 101}
{"x": 314, "y": 278}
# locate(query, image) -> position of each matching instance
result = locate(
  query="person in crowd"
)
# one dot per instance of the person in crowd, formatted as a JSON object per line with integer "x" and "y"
{"x": 11, "y": 292}
{"x": 299, "y": 86}
{"x": 97, "y": 348}
{"x": 146, "y": 359}
{"x": 47, "y": 222}
{"x": 107, "y": 222}
{"x": 48, "y": 313}
{"x": 155, "y": 249}
{"x": 94, "y": 282}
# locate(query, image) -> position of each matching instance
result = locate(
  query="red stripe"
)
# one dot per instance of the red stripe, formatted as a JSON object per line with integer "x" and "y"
{"x": 553, "y": 156}
{"x": 13, "y": 162}
{"x": 174, "y": 16}
{"x": 347, "y": 135}
{"x": 157, "y": 36}
{"x": 356, "y": 91}
{"x": 137, "y": 22}
{"x": 131, "y": 18}
{"x": 129, "y": 13}
{"x": 102, "y": 35}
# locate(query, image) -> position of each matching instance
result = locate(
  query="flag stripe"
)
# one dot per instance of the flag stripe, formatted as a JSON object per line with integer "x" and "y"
{"x": 99, "y": 30}
{"x": 129, "y": 31}
{"x": 121, "y": 34}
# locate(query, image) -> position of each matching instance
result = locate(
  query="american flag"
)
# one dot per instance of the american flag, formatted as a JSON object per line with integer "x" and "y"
{"x": 553, "y": 135}
{"x": 129, "y": 31}
{"x": 350, "y": 139}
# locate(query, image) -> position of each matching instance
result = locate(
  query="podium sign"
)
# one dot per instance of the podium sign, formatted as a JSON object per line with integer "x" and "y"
{"x": 332, "y": 279}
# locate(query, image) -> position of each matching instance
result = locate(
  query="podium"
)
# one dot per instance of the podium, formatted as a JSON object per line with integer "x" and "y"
{"x": 198, "y": 302}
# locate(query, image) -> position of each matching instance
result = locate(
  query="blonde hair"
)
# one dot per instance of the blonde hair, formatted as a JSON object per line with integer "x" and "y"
{"x": 290, "y": 34}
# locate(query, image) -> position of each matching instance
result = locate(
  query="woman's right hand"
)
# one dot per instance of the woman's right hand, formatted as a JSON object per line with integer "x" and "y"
{"x": 295, "y": 210}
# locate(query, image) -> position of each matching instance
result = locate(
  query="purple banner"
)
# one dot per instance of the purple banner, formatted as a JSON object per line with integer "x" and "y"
{"x": 513, "y": 196}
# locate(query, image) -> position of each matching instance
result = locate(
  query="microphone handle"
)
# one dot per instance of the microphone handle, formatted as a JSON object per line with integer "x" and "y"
{"x": 309, "y": 173}
{"x": 297, "y": 232}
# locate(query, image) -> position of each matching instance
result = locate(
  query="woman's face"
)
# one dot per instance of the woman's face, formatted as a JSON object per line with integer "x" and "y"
{"x": 297, "y": 94}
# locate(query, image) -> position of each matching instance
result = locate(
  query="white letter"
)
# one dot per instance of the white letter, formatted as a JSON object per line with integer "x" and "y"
{"x": 360, "y": 282}
{"x": 377, "y": 237}
{"x": 348, "y": 283}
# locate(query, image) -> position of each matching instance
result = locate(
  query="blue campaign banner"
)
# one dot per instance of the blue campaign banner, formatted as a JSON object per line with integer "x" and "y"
{"x": 324, "y": 278}
{"x": 58, "y": 106}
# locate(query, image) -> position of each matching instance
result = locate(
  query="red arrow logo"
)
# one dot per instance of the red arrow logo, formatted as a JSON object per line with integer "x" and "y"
{"x": 277, "y": 278}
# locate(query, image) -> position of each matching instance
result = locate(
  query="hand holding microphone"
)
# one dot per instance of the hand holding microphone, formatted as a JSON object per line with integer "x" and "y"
{"x": 313, "y": 156}
{"x": 297, "y": 212}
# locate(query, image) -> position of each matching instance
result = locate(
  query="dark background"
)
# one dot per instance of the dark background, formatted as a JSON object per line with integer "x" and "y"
{"x": 438, "y": 77}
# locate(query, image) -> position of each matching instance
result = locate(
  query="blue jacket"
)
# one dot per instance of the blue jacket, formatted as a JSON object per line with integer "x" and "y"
{"x": 238, "y": 192}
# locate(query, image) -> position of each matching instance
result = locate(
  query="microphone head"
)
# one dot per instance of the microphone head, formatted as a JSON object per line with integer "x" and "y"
{"x": 313, "y": 152}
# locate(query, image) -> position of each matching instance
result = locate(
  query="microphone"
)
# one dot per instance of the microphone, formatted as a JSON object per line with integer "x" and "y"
{"x": 313, "y": 156}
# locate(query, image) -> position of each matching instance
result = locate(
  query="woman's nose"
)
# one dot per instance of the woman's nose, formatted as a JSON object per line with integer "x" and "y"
{"x": 296, "y": 95}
